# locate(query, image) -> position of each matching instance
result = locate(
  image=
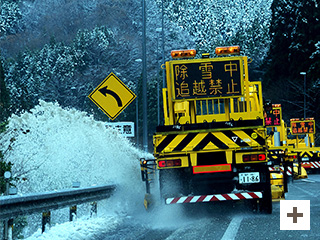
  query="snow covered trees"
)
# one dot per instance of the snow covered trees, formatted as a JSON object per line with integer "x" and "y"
{"x": 52, "y": 72}
{"x": 294, "y": 32}
{"x": 78, "y": 54}
{"x": 224, "y": 22}
{"x": 10, "y": 16}
{"x": 295, "y": 48}
{"x": 61, "y": 50}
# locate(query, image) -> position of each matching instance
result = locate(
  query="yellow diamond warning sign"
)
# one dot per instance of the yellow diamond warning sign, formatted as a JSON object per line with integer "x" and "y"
{"x": 112, "y": 96}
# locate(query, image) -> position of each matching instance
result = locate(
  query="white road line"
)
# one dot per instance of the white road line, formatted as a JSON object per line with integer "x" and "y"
{"x": 233, "y": 228}
{"x": 305, "y": 191}
{"x": 308, "y": 180}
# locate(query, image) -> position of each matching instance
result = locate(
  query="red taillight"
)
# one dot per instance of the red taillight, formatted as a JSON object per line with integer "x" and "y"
{"x": 262, "y": 157}
{"x": 254, "y": 157}
{"x": 169, "y": 163}
{"x": 162, "y": 163}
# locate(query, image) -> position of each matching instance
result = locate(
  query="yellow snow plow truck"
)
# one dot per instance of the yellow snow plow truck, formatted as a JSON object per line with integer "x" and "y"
{"x": 287, "y": 145}
{"x": 212, "y": 146}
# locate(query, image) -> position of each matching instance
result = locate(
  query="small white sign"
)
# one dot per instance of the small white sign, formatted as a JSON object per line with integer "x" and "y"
{"x": 295, "y": 215}
{"x": 234, "y": 138}
{"x": 124, "y": 128}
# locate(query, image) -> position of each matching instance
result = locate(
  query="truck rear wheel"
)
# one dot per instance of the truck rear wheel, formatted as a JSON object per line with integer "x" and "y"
{"x": 172, "y": 183}
{"x": 265, "y": 204}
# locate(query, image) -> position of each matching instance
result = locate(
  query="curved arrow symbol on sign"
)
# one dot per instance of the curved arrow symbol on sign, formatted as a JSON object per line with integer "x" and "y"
{"x": 106, "y": 91}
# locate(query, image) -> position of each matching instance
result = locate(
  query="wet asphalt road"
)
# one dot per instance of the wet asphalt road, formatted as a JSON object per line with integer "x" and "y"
{"x": 226, "y": 221}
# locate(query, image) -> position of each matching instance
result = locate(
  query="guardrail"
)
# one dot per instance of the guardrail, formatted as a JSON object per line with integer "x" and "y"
{"x": 14, "y": 206}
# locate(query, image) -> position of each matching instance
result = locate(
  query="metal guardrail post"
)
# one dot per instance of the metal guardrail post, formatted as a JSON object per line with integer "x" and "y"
{"x": 10, "y": 229}
{"x": 41, "y": 202}
{"x": 72, "y": 212}
{"x": 73, "y": 209}
{"x": 94, "y": 209}
{"x": 5, "y": 230}
{"x": 7, "y": 176}
{"x": 46, "y": 219}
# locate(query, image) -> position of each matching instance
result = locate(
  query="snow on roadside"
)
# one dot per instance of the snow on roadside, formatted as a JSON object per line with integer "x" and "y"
{"x": 54, "y": 147}
{"x": 81, "y": 229}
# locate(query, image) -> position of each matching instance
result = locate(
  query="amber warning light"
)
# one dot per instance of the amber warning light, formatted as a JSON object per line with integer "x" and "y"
{"x": 191, "y": 53}
{"x": 228, "y": 50}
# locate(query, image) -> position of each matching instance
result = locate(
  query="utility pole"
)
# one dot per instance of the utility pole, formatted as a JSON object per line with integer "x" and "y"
{"x": 137, "y": 122}
{"x": 144, "y": 78}
{"x": 162, "y": 33}
{"x": 304, "y": 94}
{"x": 158, "y": 30}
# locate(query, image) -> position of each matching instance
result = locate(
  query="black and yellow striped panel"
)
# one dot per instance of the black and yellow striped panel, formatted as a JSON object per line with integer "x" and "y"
{"x": 306, "y": 154}
{"x": 209, "y": 141}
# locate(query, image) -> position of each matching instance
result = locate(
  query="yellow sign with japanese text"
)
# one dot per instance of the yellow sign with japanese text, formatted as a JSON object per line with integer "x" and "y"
{"x": 203, "y": 78}
{"x": 273, "y": 117}
{"x": 112, "y": 96}
{"x": 300, "y": 127}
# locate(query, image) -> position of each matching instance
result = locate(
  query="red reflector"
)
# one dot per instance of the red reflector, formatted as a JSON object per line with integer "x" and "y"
{"x": 254, "y": 157}
{"x": 262, "y": 157}
{"x": 246, "y": 158}
{"x": 177, "y": 162}
{"x": 212, "y": 168}
{"x": 169, "y": 163}
{"x": 162, "y": 163}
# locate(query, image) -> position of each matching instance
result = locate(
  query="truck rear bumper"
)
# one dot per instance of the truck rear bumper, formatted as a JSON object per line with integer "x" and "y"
{"x": 214, "y": 197}
{"x": 315, "y": 164}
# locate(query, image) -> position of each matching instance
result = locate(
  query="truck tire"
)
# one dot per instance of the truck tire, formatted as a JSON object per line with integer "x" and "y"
{"x": 172, "y": 183}
{"x": 265, "y": 204}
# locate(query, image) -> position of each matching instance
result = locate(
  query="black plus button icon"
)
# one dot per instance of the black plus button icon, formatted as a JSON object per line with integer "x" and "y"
{"x": 295, "y": 215}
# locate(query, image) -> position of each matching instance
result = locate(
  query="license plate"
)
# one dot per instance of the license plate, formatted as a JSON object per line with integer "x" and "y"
{"x": 249, "y": 177}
